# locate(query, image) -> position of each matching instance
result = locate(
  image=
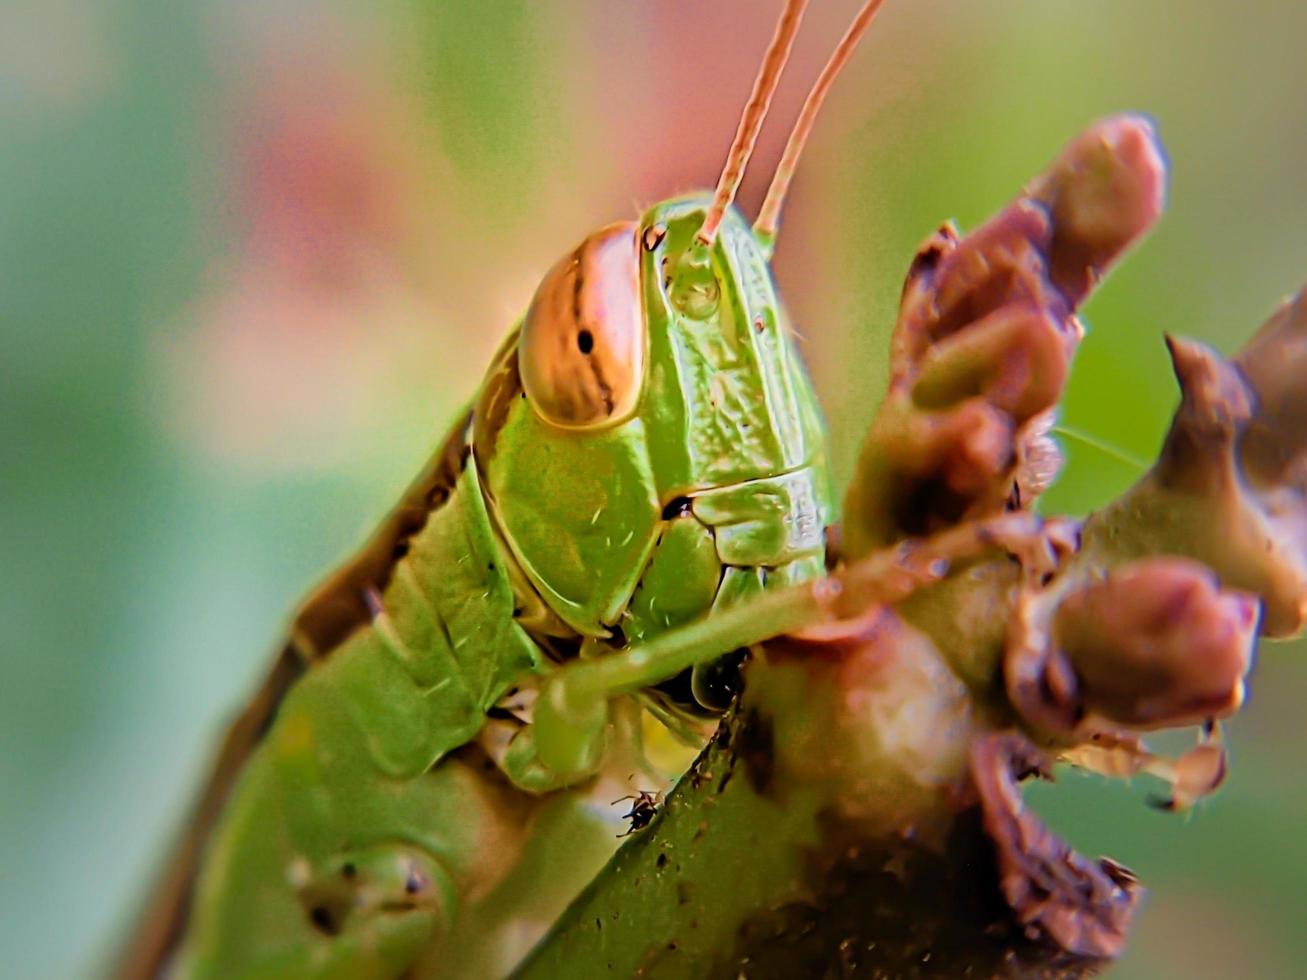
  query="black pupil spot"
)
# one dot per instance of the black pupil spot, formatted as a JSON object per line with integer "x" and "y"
{"x": 585, "y": 342}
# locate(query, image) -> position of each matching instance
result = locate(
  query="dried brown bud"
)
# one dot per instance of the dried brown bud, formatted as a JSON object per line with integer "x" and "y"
{"x": 1106, "y": 189}
{"x": 985, "y": 336}
{"x": 1155, "y": 643}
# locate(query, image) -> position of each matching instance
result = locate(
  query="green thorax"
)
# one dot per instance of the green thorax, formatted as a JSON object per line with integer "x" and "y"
{"x": 727, "y": 435}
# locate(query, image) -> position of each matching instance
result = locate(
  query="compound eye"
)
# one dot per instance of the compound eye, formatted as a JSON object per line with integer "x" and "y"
{"x": 583, "y": 342}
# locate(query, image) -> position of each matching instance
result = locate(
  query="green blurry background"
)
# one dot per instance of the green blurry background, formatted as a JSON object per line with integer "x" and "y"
{"x": 253, "y": 255}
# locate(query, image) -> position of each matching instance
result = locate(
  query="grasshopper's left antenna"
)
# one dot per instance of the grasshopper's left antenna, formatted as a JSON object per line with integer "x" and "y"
{"x": 769, "y": 215}
{"x": 755, "y": 111}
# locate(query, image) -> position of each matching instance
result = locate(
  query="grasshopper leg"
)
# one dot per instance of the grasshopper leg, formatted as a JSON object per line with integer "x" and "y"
{"x": 571, "y": 714}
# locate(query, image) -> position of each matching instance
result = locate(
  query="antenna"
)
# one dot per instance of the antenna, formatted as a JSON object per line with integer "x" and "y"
{"x": 755, "y": 111}
{"x": 769, "y": 215}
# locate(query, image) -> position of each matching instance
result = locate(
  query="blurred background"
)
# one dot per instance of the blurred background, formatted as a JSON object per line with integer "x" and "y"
{"x": 254, "y": 255}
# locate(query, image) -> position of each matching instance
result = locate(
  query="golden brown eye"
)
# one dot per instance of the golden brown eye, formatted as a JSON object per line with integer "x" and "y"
{"x": 583, "y": 341}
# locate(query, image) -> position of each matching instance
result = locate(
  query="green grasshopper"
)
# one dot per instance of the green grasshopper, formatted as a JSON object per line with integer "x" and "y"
{"x": 645, "y": 451}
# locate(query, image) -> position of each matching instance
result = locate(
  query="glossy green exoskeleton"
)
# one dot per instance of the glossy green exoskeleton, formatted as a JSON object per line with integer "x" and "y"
{"x": 645, "y": 450}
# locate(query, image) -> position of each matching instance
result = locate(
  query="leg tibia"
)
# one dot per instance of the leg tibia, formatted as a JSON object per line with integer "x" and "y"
{"x": 572, "y": 710}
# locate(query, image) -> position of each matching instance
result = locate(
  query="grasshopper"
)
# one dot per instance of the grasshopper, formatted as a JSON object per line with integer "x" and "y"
{"x": 643, "y": 464}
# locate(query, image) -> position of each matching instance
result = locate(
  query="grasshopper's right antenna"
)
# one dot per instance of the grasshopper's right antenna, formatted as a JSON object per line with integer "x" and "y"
{"x": 769, "y": 215}
{"x": 755, "y": 111}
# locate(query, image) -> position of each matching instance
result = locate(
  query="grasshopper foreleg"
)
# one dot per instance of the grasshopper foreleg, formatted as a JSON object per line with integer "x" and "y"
{"x": 571, "y": 714}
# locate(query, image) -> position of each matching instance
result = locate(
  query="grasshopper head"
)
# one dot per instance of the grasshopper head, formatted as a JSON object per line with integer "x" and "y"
{"x": 651, "y": 401}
